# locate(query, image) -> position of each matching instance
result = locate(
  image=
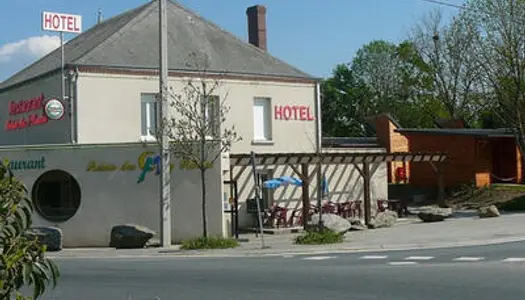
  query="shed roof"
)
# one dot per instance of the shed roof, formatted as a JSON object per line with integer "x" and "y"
{"x": 130, "y": 41}
{"x": 487, "y": 133}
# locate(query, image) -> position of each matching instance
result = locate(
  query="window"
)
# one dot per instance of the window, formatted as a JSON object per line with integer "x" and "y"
{"x": 262, "y": 122}
{"x": 148, "y": 112}
{"x": 212, "y": 116}
{"x": 56, "y": 196}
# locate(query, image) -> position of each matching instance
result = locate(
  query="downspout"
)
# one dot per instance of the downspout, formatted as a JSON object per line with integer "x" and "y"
{"x": 318, "y": 150}
{"x": 73, "y": 95}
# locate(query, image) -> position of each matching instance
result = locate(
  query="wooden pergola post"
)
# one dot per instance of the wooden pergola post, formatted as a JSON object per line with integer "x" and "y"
{"x": 306, "y": 193}
{"x": 366, "y": 175}
{"x": 441, "y": 182}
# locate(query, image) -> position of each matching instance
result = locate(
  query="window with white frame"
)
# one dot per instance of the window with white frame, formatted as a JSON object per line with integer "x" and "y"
{"x": 148, "y": 111}
{"x": 212, "y": 116}
{"x": 262, "y": 121}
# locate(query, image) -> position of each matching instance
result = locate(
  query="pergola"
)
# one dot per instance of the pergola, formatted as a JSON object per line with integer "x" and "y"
{"x": 361, "y": 161}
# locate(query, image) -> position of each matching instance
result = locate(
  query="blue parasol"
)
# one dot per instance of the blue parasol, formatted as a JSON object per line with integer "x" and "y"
{"x": 281, "y": 181}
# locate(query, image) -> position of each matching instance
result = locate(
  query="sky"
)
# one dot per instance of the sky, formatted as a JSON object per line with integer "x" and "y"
{"x": 307, "y": 34}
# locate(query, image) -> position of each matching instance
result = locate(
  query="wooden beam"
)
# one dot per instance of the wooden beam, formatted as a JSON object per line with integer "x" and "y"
{"x": 238, "y": 175}
{"x": 366, "y": 191}
{"x": 441, "y": 182}
{"x": 296, "y": 171}
{"x": 305, "y": 194}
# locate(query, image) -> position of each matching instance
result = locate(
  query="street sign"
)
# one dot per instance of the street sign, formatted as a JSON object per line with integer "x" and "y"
{"x": 61, "y": 22}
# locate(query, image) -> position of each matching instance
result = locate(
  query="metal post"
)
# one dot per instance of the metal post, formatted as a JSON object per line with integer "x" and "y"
{"x": 318, "y": 139}
{"x": 165, "y": 180}
{"x": 257, "y": 199}
{"x": 62, "y": 76}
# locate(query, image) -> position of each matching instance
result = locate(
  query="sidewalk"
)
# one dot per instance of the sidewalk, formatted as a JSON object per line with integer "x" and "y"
{"x": 462, "y": 231}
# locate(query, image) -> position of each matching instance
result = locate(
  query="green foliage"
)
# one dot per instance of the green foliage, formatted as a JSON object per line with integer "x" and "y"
{"x": 319, "y": 237}
{"x": 516, "y": 204}
{"x": 211, "y": 242}
{"x": 22, "y": 261}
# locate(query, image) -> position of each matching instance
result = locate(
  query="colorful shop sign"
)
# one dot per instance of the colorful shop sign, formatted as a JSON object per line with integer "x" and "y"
{"x": 147, "y": 162}
{"x": 33, "y": 112}
{"x": 26, "y": 164}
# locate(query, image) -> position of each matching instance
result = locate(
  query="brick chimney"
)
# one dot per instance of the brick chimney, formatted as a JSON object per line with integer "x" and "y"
{"x": 257, "y": 26}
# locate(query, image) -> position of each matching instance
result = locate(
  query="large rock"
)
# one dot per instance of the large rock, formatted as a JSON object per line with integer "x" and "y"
{"x": 383, "y": 220}
{"x": 130, "y": 236}
{"x": 444, "y": 211}
{"x": 332, "y": 222}
{"x": 430, "y": 214}
{"x": 46, "y": 235}
{"x": 490, "y": 211}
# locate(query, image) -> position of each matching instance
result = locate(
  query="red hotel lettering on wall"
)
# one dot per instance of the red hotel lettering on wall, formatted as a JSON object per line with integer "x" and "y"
{"x": 23, "y": 106}
{"x": 293, "y": 112}
{"x": 36, "y": 117}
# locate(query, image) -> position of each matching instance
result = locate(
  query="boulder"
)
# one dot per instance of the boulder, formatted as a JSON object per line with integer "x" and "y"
{"x": 356, "y": 224}
{"x": 130, "y": 236}
{"x": 49, "y": 236}
{"x": 444, "y": 211}
{"x": 383, "y": 220}
{"x": 332, "y": 222}
{"x": 490, "y": 211}
{"x": 430, "y": 214}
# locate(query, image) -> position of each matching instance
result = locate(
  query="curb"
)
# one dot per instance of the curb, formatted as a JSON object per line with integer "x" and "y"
{"x": 258, "y": 253}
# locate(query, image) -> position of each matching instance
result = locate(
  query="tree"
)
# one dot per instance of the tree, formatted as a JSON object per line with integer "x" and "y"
{"x": 345, "y": 104}
{"x": 447, "y": 53}
{"x": 198, "y": 132}
{"x": 500, "y": 49}
{"x": 22, "y": 261}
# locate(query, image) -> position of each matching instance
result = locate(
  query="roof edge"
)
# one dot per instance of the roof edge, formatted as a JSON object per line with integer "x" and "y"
{"x": 191, "y": 73}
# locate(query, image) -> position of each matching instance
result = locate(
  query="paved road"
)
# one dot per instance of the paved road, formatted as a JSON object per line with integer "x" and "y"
{"x": 486, "y": 272}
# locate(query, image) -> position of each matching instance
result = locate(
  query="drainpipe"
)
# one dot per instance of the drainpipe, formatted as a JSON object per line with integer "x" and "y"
{"x": 73, "y": 94}
{"x": 318, "y": 150}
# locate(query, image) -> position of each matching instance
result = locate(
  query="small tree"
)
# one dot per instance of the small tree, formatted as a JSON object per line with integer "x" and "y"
{"x": 22, "y": 261}
{"x": 197, "y": 131}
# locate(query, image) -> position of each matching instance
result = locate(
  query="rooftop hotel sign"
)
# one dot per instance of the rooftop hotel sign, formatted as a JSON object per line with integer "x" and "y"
{"x": 61, "y": 22}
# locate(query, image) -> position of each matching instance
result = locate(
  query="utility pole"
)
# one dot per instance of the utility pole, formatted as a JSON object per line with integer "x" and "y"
{"x": 318, "y": 150}
{"x": 165, "y": 175}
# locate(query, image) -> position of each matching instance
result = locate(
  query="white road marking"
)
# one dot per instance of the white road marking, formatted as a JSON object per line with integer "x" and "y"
{"x": 514, "y": 259}
{"x": 419, "y": 258}
{"x": 467, "y": 258}
{"x": 318, "y": 257}
{"x": 374, "y": 257}
{"x": 402, "y": 263}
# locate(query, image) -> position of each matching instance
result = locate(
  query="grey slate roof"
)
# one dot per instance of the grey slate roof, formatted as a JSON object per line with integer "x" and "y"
{"x": 130, "y": 40}
{"x": 503, "y": 132}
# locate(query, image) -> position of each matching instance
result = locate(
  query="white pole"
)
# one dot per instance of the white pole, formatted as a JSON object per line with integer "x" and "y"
{"x": 165, "y": 180}
{"x": 62, "y": 76}
{"x": 318, "y": 146}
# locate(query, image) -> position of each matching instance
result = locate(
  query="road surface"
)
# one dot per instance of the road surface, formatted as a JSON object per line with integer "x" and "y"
{"x": 485, "y": 272}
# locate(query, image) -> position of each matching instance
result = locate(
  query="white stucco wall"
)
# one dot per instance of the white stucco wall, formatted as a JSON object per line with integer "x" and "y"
{"x": 52, "y": 132}
{"x": 109, "y": 110}
{"x": 109, "y": 198}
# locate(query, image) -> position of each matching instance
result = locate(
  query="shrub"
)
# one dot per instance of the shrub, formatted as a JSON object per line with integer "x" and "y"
{"x": 319, "y": 237}
{"x": 516, "y": 204}
{"x": 209, "y": 243}
{"x": 22, "y": 261}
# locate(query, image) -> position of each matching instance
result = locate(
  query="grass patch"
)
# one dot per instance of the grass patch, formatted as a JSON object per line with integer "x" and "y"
{"x": 319, "y": 237}
{"x": 508, "y": 187}
{"x": 209, "y": 243}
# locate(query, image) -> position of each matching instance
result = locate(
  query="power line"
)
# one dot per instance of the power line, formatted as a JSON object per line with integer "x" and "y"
{"x": 443, "y": 3}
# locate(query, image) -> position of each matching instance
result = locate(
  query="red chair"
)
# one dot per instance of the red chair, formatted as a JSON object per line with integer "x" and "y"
{"x": 329, "y": 208}
{"x": 279, "y": 215}
{"x": 356, "y": 208}
{"x": 382, "y": 205}
{"x": 344, "y": 209}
